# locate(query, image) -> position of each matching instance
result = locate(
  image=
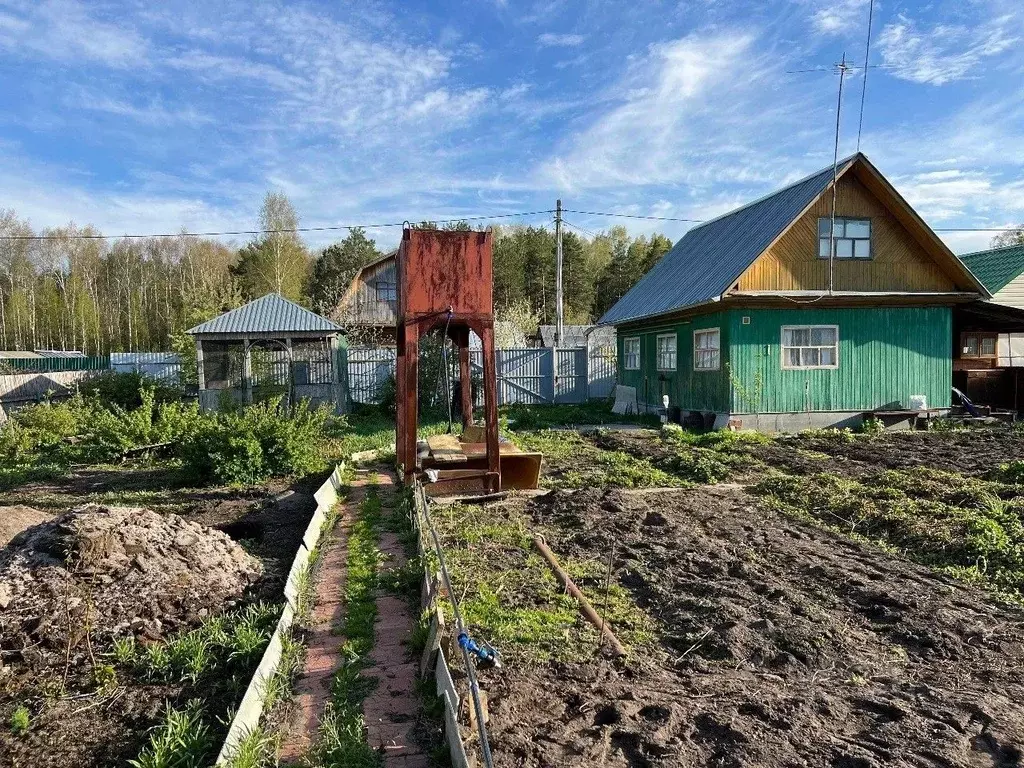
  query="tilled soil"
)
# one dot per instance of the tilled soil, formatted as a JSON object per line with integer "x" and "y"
{"x": 84, "y": 725}
{"x": 970, "y": 452}
{"x": 780, "y": 645}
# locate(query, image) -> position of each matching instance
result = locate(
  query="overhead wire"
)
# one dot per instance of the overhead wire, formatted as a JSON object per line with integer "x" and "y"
{"x": 289, "y": 230}
{"x": 864, "y": 81}
{"x": 340, "y": 227}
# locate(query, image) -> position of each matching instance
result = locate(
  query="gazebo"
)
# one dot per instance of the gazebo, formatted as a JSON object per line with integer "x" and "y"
{"x": 270, "y": 347}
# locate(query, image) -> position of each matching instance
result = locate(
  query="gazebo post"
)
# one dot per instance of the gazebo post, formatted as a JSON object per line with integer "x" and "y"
{"x": 200, "y": 370}
{"x": 247, "y": 370}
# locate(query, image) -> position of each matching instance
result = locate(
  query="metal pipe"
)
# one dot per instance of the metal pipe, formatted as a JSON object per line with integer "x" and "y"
{"x": 585, "y": 607}
{"x": 474, "y": 686}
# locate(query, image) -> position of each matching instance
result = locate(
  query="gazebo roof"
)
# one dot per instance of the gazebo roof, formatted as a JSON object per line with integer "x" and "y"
{"x": 268, "y": 314}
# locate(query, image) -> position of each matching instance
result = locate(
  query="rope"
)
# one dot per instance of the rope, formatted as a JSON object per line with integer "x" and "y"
{"x": 474, "y": 686}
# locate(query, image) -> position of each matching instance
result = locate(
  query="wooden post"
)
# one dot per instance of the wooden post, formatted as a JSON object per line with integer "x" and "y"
{"x": 491, "y": 409}
{"x": 410, "y": 400}
{"x": 465, "y": 378}
{"x": 247, "y": 370}
{"x": 201, "y": 371}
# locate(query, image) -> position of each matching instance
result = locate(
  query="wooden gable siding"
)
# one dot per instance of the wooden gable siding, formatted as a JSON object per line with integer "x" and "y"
{"x": 362, "y": 306}
{"x": 1011, "y": 294}
{"x": 898, "y": 263}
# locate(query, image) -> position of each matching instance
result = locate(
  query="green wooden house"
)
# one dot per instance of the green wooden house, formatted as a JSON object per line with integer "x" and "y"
{"x": 748, "y": 321}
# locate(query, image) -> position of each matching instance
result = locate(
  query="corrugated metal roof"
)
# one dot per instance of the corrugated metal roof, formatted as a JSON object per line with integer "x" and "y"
{"x": 712, "y": 255}
{"x": 997, "y": 267}
{"x": 268, "y": 314}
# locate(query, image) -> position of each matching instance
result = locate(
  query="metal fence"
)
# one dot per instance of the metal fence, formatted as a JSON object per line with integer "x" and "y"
{"x": 530, "y": 376}
{"x": 56, "y": 364}
{"x": 162, "y": 366}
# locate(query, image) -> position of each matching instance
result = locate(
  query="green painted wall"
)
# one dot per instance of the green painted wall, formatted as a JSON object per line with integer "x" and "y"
{"x": 886, "y": 354}
{"x": 687, "y": 388}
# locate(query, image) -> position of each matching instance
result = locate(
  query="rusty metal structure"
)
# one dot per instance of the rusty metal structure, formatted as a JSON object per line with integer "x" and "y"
{"x": 445, "y": 281}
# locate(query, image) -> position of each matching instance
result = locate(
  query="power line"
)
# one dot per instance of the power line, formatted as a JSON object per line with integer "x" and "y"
{"x": 864, "y": 82}
{"x": 631, "y": 216}
{"x": 580, "y": 228}
{"x": 294, "y": 230}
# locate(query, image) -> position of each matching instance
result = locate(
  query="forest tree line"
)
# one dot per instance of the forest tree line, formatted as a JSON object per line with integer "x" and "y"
{"x": 61, "y": 290}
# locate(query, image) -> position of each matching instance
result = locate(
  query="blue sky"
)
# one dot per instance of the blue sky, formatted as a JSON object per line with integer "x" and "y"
{"x": 146, "y": 117}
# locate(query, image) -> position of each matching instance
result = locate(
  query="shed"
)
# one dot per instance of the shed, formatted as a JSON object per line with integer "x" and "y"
{"x": 269, "y": 347}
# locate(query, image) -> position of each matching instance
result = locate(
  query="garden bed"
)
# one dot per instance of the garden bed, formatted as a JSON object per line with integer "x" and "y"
{"x": 822, "y": 599}
{"x": 183, "y": 659}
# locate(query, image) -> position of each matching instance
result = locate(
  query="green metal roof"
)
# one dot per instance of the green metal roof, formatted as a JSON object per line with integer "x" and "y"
{"x": 712, "y": 255}
{"x": 997, "y": 267}
{"x": 268, "y": 314}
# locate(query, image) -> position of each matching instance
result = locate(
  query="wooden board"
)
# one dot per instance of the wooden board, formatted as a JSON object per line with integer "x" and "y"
{"x": 446, "y": 449}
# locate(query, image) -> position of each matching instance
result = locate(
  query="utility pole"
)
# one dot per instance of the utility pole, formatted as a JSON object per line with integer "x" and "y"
{"x": 559, "y": 312}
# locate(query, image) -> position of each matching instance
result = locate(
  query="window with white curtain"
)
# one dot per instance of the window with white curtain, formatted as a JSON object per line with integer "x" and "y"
{"x": 810, "y": 346}
{"x": 631, "y": 354}
{"x": 707, "y": 350}
{"x": 666, "y": 348}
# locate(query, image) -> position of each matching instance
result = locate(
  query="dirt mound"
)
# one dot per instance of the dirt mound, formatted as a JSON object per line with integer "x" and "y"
{"x": 97, "y": 572}
{"x": 780, "y": 645}
{"x": 14, "y": 520}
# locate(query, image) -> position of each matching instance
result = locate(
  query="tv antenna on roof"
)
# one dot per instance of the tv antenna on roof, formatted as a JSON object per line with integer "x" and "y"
{"x": 842, "y": 68}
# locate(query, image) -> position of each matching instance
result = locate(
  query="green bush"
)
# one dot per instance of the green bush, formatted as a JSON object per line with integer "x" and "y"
{"x": 254, "y": 443}
{"x": 125, "y": 390}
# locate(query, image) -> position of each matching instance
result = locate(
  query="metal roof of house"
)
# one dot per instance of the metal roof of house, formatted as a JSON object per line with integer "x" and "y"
{"x": 268, "y": 314}
{"x": 997, "y": 267}
{"x": 712, "y": 255}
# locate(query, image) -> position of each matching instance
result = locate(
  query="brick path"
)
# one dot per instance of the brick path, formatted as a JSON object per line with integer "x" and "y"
{"x": 323, "y": 659}
{"x": 390, "y": 710}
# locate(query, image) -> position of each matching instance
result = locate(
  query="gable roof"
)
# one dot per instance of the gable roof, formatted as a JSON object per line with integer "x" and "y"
{"x": 997, "y": 267}
{"x": 710, "y": 258}
{"x": 268, "y": 314}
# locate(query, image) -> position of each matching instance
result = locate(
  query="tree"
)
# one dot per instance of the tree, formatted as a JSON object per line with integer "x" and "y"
{"x": 335, "y": 268}
{"x": 1013, "y": 237}
{"x": 275, "y": 262}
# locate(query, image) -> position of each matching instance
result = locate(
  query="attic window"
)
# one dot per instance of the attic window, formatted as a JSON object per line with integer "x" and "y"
{"x": 852, "y": 238}
{"x": 386, "y": 291}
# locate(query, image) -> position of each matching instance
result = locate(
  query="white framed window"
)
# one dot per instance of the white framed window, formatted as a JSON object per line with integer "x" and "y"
{"x": 852, "y": 238}
{"x": 666, "y": 348}
{"x": 631, "y": 354}
{"x": 810, "y": 346}
{"x": 707, "y": 355}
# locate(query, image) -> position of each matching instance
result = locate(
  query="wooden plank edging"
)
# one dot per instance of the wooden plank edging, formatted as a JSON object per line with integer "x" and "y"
{"x": 250, "y": 710}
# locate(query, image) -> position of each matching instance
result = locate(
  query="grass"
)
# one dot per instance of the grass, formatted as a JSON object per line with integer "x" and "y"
{"x": 213, "y": 661}
{"x": 182, "y": 740}
{"x": 967, "y": 527}
{"x": 511, "y": 597}
{"x": 593, "y": 412}
{"x": 573, "y": 461}
{"x": 21, "y": 720}
{"x": 341, "y": 738}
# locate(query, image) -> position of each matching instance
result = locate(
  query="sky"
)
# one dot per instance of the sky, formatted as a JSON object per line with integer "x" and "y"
{"x": 142, "y": 117}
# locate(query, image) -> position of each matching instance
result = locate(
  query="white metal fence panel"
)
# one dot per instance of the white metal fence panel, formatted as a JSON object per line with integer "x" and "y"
{"x": 163, "y": 366}
{"x": 602, "y": 372}
{"x": 525, "y": 376}
{"x": 570, "y": 380}
{"x": 368, "y": 370}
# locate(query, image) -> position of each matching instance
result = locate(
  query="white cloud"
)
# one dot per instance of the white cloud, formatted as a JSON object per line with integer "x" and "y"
{"x": 686, "y": 111}
{"x": 553, "y": 40}
{"x": 66, "y": 30}
{"x": 841, "y": 17}
{"x": 944, "y": 53}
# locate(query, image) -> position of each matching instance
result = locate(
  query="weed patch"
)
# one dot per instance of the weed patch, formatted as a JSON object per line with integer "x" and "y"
{"x": 963, "y": 526}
